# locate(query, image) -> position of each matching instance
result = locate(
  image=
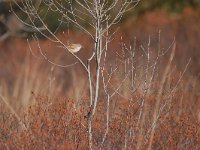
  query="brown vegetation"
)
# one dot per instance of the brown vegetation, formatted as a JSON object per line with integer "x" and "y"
{"x": 44, "y": 107}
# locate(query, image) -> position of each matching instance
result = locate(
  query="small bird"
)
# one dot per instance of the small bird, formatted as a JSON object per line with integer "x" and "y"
{"x": 74, "y": 48}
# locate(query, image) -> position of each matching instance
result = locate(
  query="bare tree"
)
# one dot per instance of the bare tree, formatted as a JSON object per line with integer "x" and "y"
{"x": 101, "y": 21}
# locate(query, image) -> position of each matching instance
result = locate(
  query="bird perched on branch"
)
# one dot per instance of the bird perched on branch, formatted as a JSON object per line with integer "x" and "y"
{"x": 74, "y": 48}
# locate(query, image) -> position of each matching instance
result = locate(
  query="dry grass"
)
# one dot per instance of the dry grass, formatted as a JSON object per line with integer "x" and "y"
{"x": 57, "y": 122}
{"x": 44, "y": 107}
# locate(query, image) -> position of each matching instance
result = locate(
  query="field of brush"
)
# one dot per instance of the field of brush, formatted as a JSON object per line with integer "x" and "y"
{"x": 157, "y": 106}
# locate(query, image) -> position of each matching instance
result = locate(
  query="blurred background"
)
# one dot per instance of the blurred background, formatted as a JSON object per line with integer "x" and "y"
{"x": 22, "y": 73}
